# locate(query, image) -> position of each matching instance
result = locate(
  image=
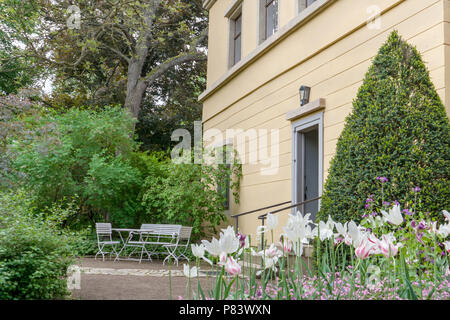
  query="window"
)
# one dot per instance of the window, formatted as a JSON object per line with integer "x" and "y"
{"x": 303, "y": 4}
{"x": 235, "y": 46}
{"x": 237, "y": 38}
{"x": 268, "y": 18}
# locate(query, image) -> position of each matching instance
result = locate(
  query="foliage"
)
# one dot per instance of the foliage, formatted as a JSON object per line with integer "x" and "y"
{"x": 187, "y": 194}
{"x": 117, "y": 51}
{"x": 398, "y": 129}
{"x": 16, "y": 70}
{"x": 35, "y": 251}
{"x": 171, "y": 103}
{"x": 83, "y": 154}
{"x": 13, "y": 110}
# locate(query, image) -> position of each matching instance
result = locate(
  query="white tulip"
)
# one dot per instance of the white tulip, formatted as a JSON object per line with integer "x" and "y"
{"x": 444, "y": 230}
{"x": 446, "y": 214}
{"x": 341, "y": 229}
{"x": 447, "y": 246}
{"x": 188, "y": 272}
{"x": 229, "y": 243}
{"x": 394, "y": 216}
{"x": 326, "y": 231}
{"x": 272, "y": 221}
{"x": 198, "y": 250}
{"x": 212, "y": 247}
{"x": 354, "y": 233}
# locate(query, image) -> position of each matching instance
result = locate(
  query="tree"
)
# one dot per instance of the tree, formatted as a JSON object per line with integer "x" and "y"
{"x": 13, "y": 110}
{"x": 15, "y": 71}
{"x": 171, "y": 103}
{"x": 121, "y": 47}
{"x": 399, "y": 130}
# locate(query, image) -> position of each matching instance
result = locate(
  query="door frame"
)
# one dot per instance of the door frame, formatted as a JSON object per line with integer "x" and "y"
{"x": 299, "y": 126}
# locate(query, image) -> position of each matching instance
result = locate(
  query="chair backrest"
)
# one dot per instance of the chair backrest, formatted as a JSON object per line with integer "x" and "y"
{"x": 104, "y": 232}
{"x": 185, "y": 233}
{"x": 103, "y": 228}
{"x": 162, "y": 229}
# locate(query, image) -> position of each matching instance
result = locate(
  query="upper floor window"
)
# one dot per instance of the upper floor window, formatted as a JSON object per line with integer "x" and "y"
{"x": 268, "y": 18}
{"x": 235, "y": 47}
{"x": 237, "y": 38}
{"x": 303, "y": 4}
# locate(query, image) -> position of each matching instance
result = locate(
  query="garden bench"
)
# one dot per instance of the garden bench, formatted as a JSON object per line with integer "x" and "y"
{"x": 152, "y": 236}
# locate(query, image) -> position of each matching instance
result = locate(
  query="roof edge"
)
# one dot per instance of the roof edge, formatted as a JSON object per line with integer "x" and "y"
{"x": 207, "y": 4}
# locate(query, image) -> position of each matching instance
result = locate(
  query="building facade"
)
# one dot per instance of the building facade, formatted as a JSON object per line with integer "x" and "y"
{"x": 261, "y": 52}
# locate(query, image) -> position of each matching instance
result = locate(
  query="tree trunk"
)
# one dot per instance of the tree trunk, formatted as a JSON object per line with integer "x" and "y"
{"x": 135, "y": 88}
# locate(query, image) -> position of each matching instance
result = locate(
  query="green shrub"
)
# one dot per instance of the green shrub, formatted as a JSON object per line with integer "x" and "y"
{"x": 186, "y": 194}
{"x": 84, "y": 154}
{"x": 398, "y": 129}
{"x": 34, "y": 251}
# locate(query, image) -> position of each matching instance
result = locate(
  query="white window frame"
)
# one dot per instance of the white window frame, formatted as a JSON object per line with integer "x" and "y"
{"x": 262, "y": 28}
{"x": 302, "y": 5}
{"x": 232, "y": 16}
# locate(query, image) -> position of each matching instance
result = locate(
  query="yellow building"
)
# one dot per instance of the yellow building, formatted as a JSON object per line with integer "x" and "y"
{"x": 261, "y": 52}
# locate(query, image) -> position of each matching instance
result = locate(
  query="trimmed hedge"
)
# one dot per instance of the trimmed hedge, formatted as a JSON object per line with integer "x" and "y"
{"x": 398, "y": 129}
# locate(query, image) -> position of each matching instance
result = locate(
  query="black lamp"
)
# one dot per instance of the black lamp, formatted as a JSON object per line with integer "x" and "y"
{"x": 304, "y": 95}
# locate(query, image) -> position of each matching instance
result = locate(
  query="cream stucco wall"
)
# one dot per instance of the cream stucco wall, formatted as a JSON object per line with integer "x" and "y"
{"x": 330, "y": 52}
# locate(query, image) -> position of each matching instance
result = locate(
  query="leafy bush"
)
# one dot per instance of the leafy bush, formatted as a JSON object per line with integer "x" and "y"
{"x": 398, "y": 129}
{"x": 34, "y": 251}
{"x": 186, "y": 194}
{"x": 84, "y": 154}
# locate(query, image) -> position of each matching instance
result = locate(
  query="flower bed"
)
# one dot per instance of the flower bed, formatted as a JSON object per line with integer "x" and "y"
{"x": 391, "y": 254}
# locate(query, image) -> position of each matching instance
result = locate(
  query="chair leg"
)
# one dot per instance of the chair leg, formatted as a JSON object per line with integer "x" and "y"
{"x": 100, "y": 251}
{"x": 171, "y": 254}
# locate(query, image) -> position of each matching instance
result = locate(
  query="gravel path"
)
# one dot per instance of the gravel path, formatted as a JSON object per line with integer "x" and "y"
{"x": 129, "y": 280}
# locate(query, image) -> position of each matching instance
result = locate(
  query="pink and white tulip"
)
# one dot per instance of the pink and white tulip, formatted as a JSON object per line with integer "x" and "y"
{"x": 232, "y": 267}
{"x": 365, "y": 249}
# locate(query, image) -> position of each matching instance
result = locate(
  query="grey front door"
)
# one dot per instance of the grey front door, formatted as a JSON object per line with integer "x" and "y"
{"x": 307, "y": 173}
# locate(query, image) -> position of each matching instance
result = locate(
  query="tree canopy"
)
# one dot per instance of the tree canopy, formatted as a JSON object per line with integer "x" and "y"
{"x": 107, "y": 51}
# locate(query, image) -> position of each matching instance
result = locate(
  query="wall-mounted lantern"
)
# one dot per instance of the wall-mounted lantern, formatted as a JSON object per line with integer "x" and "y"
{"x": 304, "y": 95}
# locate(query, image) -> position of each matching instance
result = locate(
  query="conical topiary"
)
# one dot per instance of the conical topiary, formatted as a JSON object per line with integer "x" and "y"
{"x": 399, "y": 130}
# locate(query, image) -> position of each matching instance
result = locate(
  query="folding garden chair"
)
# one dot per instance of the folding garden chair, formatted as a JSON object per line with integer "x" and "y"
{"x": 177, "y": 250}
{"x": 104, "y": 238}
{"x": 161, "y": 235}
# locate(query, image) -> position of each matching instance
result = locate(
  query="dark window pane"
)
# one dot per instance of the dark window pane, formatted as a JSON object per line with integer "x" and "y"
{"x": 237, "y": 49}
{"x": 271, "y": 18}
{"x": 309, "y": 2}
{"x": 237, "y": 39}
{"x": 238, "y": 25}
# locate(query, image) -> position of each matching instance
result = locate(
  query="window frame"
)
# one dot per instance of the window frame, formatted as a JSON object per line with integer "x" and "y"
{"x": 232, "y": 19}
{"x": 300, "y": 6}
{"x": 262, "y": 21}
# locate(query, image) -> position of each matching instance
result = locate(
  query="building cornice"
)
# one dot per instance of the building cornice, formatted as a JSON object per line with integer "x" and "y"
{"x": 277, "y": 37}
{"x": 207, "y": 4}
{"x": 232, "y": 8}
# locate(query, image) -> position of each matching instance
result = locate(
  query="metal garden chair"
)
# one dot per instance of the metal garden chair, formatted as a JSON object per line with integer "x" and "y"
{"x": 162, "y": 235}
{"x": 104, "y": 238}
{"x": 178, "y": 250}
